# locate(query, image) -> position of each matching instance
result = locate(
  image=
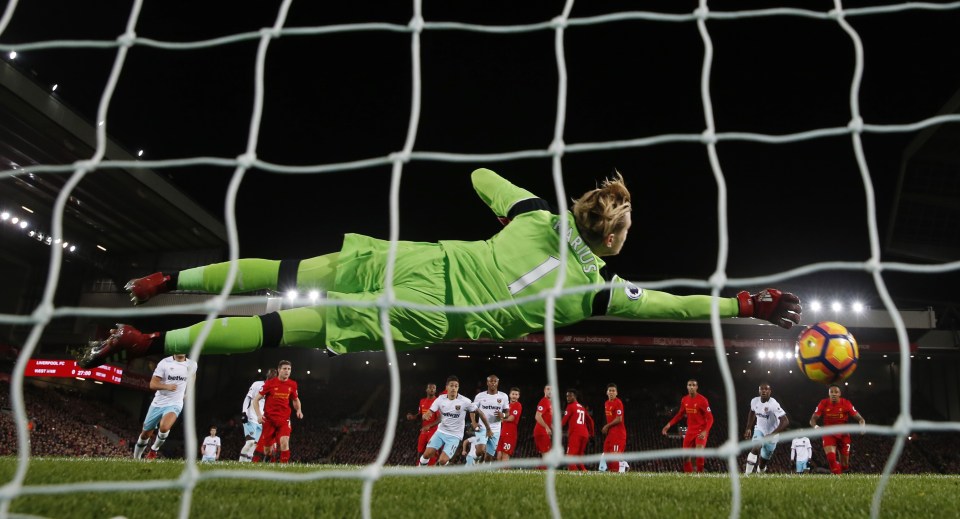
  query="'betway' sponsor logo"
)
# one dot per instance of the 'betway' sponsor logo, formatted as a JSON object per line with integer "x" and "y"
{"x": 178, "y": 378}
{"x": 452, "y": 415}
{"x": 490, "y": 407}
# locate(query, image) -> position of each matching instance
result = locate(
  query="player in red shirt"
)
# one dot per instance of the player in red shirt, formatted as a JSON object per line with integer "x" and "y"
{"x": 579, "y": 427}
{"x": 508, "y": 427}
{"x": 836, "y": 411}
{"x": 544, "y": 417}
{"x": 615, "y": 430}
{"x": 279, "y": 392}
{"x": 427, "y": 428}
{"x": 699, "y": 421}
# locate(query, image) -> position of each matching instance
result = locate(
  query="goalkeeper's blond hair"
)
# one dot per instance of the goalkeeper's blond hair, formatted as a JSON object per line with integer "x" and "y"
{"x": 602, "y": 211}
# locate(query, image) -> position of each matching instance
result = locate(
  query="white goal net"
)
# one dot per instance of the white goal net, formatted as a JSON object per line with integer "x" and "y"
{"x": 832, "y": 115}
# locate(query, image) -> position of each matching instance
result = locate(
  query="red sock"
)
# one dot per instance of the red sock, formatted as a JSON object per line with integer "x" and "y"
{"x": 699, "y": 464}
{"x": 285, "y": 456}
{"x": 613, "y": 466}
{"x": 832, "y": 461}
{"x": 688, "y": 466}
{"x": 583, "y": 467}
{"x": 257, "y": 456}
{"x": 433, "y": 461}
{"x": 573, "y": 468}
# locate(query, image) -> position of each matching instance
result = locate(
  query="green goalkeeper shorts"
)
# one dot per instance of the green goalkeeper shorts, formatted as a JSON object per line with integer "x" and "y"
{"x": 419, "y": 277}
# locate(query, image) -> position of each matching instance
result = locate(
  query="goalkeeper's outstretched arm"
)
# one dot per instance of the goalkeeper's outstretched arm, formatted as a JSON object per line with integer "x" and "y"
{"x": 780, "y": 308}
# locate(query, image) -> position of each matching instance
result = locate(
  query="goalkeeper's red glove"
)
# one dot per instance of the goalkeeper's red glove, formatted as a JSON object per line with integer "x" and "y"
{"x": 780, "y": 308}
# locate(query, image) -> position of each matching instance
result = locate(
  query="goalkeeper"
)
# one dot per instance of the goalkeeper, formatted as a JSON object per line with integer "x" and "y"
{"x": 519, "y": 261}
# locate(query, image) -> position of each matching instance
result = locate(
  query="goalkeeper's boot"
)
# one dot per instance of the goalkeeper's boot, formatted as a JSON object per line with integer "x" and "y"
{"x": 125, "y": 342}
{"x": 142, "y": 289}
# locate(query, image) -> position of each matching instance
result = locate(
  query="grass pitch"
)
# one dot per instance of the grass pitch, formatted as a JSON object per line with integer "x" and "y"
{"x": 513, "y": 493}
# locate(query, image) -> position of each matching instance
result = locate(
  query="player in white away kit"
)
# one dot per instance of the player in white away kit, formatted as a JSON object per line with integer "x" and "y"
{"x": 453, "y": 408}
{"x": 210, "y": 449}
{"x": 251, "y": 427}
{"x": 801, "y": 451}
{"x": 764, "y": 422}
{"x": 170, "y": 382}
{"x": 469, "y": 450}
{"x": 495, "y": 405}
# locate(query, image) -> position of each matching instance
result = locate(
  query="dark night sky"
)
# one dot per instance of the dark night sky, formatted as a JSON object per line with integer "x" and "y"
{"x": 346, "y": 96}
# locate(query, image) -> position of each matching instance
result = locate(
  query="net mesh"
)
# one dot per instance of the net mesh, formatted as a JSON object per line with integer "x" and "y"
{"x": 45, "y": 311}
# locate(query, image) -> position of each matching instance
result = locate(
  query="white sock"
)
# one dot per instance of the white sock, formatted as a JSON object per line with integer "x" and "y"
{"x": 161, "y": 437}
{"x": 471, "y": 459}
{"x": 423, "y": 461}
{"x": 751, "y": 463}
{"x": 140, "y": 446}
{"x": 246, "y": 453}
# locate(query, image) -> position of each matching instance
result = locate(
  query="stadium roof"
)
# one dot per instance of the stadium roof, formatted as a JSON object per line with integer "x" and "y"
{"x": 126, "y": 210}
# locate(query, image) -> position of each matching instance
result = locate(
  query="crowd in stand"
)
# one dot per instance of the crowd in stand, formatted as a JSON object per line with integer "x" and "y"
{"x": 350, "y": 430}
{"x": 63, "y": 423}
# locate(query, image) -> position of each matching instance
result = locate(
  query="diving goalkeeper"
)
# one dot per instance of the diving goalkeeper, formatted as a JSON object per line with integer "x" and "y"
{"x": 521, "y": 260}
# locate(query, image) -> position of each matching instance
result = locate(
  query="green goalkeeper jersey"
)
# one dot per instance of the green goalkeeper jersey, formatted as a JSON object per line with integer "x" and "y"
{"x": 523, "y": 260}
{"x": 520, "y": 261}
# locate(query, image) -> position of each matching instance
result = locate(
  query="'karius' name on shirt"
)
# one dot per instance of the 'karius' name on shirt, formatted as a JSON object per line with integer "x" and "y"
{"x": 580, "y": 250}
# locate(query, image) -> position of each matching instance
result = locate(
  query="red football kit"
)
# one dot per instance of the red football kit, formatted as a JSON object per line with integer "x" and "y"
{"x": 508, "y": 430}
{"x": 616, "y": 440}
{"x": 836, "y": 414}
{"x": 425, "y": 435}
{"x": 699, "y": 419}
{"x": 580, "y": 428}
{"x": 276, "y": 410}
{"x": 540, "y": 437}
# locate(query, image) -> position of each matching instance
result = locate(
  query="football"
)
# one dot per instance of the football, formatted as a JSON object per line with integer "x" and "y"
{"x": 827, "y": 352}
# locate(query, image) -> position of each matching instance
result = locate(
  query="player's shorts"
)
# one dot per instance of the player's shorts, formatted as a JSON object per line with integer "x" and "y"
{"x": 543, "y": 442}
{"x": 155, "y": 413}
{"x": 424, "y": 438}
{"x": 690, "y": 440}
{"x": 252, "y": 429}
{"x": 576, "y": 444}
{"x": 508, "y": 443}
{"x": 273, "y": 430}
{"x": 419, "y": 276}
{"x": 208, "y": 459}
{"x": 767, "y": 447}
{"x": 615, "y": 443}
{"x": 443, "y": 442}
{"x": 840, "y": 441}
{"x": 491, "y": 443}
{"x": 802, "y": 466}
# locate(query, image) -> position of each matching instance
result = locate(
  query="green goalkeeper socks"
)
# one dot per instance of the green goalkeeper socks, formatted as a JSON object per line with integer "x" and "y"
{"x": 228, "y": 335}
{"x": 252, "y": 274}
{"x": 259, "y": 274}
{"x": 301, "y": 327}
